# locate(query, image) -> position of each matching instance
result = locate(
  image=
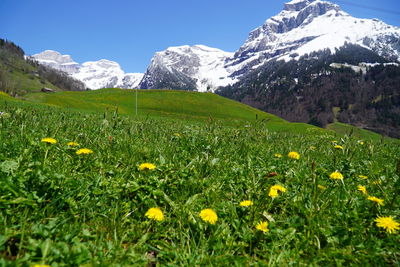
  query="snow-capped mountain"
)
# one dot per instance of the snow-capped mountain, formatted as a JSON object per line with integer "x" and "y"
{"x": 302, "y": 27}
{"x": 188, "y": 67}
{"x": 57, "y": 61}
{"x": 95, "y": 74}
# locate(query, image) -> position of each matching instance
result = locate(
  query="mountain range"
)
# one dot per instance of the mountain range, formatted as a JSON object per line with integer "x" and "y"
{"x": 94, "y": 74}
{"x": 302, "y": 27}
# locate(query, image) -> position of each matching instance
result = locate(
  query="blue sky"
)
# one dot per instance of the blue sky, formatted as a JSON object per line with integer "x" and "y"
{"x": 130, "y": 32}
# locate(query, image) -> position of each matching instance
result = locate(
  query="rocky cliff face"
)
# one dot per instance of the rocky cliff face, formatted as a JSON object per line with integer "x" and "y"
{"x": 196, "y": 67}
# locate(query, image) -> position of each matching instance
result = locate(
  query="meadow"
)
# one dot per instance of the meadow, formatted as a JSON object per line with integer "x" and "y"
{"x": 64, "y": 206}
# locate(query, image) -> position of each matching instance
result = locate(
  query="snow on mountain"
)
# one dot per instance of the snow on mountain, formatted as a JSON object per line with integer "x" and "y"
{"x": 200, "y": 65}
{"x": 303, "y": 26}
{"x": 95, "y": 74}
{"x": 56, "y": 60}
{"x": 130, "y": 80}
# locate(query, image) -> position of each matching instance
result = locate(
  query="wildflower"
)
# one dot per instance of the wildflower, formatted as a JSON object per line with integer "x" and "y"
{"x": 362, "y": 189}
{"x": 275, "y": 189}
{"x": 376, "y": 200}
{"x": 84, "y": 151}
{"x": 294, "y": 155}
{"x": 390, "y": 225}
{"x": 322, "y": 187}
{"x": 336, "y": 176}
{"x": 277, "y": 155}
{"x": 363, "y": 177}
{"x": 338, "y": 147}
{"x": 262, "y": 226}
{"x": 147, "y": 166}
{"x": 155, "y": 214}
{"x": 209, "y": 215}
{"x": 334, "y": 141}
{"x": 40, "y": 265}
{"x": 246, "y": 203}
{"x": 360, "y": 142}
{"x": 72, "y": 144}
{"x": 49, "y": 140}
{"x": 279, "y": 188}
{"x": 273, "y": 193}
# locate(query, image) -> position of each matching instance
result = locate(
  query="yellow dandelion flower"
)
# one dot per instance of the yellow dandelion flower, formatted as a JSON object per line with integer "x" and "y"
{"x": 322, "y": 187}
{"x": 209, "y": 215}
{"x": 147, "y": 166}
{"x": 84, "y": 151}
{"x": 334, "y": 141}
{"x": 279, "y": 188}
{"x": 275, "y": 189}
{"x": 363, "y": 177}
{"x": 294, "y": 155}
{"x": 262, "y": 226}
{"x": 376, "y": 200}
{"x": 273, "y": 193}
{"x": 40, "y": 265}
{"x": 362, "y": 189}
{"x": 277, "y": 155}
{"x": 338, "y": 147}
{"x": 336, "y": 176}
{"x": 155, "y": 214}
{"x": 49, "y": 140}
{"x": 390, "y": 225}
{"x": 246, "y": 203}
{"x": 72, "y": 144}
{"x": 360, "y": 142}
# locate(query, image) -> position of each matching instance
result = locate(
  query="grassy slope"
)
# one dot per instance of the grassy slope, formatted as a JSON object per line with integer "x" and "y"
{"x": 169, "y": 103}
{"x": 19, "y": 76}
{"x": 348, "y": 129}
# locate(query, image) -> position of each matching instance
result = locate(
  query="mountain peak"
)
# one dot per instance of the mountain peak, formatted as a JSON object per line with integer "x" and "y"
{"x": 298, "y": 5}
{"x": 54, "y": 56}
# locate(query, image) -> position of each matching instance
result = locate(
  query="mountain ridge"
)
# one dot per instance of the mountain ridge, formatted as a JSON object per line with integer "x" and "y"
{"x": 95, "y": 74}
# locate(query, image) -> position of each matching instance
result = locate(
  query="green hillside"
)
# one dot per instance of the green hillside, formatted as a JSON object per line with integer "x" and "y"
{"x": 17, "y": 76}
{"x": 153, "y": 102}
{"x": 191, "y": 106}
{"x": 20, "y": 75}
{"x": 342, "y": 128}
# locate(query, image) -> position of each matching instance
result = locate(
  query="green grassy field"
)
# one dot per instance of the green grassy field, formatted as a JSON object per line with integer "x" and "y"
{"x": 190, "y": 106}
{"x": 63, "y": 209}
{"x": 154, "y": 103}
